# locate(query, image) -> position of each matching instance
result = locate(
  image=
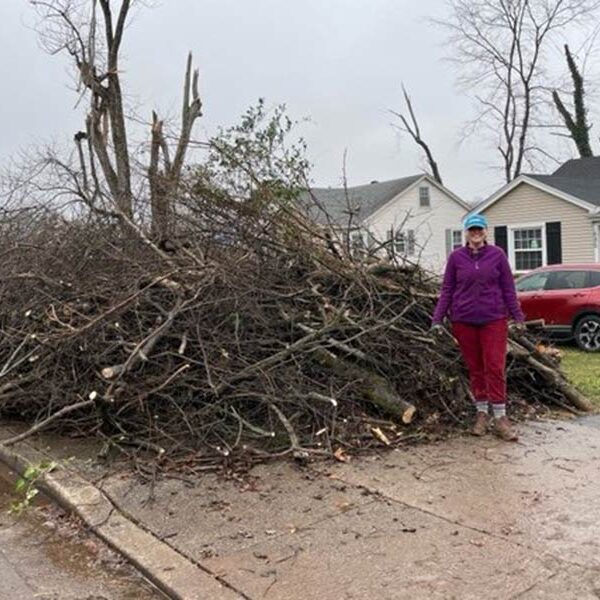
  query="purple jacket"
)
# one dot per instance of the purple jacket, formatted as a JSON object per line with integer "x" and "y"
{"x": 478, "y": 288}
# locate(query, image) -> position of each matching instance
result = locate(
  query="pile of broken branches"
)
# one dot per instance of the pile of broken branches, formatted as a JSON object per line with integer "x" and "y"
{"x": 250, "y": 333}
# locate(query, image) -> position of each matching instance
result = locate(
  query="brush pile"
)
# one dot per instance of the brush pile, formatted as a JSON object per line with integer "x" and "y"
{"x": 250, "y": 334}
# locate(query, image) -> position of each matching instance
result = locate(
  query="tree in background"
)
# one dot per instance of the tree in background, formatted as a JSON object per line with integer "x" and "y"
{"x": 501, "y": 49}
{"x": 576, "y": 123}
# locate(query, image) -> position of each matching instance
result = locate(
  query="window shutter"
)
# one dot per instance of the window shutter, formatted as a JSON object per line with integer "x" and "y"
{"x": 448, "y": 242}
{"x": 389, "y": 242}
{"x": 501, "y": 237}
{"x": 553, "y": 243}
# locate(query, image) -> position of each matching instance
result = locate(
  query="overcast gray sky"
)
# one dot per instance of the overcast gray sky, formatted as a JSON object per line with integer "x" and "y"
{"x": 338, "y": 62}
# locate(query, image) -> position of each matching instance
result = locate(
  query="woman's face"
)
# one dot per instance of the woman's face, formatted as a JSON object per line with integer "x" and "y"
{"x": 476, "y": 236}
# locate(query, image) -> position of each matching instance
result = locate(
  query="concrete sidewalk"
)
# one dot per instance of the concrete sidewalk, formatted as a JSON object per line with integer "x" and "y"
{"x": 468, "y": 518}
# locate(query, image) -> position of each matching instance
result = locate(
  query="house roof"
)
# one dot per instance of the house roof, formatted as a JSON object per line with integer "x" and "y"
{"x": 361, "y": 201}
{"x": 582, "y": 187}
{"x": 577, "y": 181}
{"x": 580, "y": 167}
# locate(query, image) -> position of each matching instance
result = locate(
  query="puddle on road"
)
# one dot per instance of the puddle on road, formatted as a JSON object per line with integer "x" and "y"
{"x": 60, "y": 560}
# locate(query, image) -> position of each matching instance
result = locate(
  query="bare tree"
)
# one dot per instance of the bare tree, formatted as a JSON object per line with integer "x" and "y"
{"x": 92, "y": 33}
{"x": 410, "y": 125}
{"x": 501, "y": 49}
{"x": 576, "y": 123}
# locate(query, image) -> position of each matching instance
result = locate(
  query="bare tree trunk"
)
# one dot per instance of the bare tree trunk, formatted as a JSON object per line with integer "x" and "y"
{"x": 577, "y": 125}
{"x": 114, "y": 105}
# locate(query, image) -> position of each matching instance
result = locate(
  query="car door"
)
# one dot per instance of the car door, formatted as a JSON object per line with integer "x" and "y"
{"x": 594, "y": 291}
{"x": 563, "y": 293}
{"x": 529, "y": 288}
{"x": 588, "y": 300}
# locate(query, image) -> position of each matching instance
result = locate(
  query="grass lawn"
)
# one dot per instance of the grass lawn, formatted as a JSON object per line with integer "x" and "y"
{"x": 583, "y": 369}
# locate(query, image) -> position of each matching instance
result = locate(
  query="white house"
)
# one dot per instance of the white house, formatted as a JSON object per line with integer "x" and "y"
{"x": 415, "y": 218}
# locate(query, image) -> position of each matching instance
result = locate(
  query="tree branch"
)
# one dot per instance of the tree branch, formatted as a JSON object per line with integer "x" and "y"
{"x": 414, "y": 131}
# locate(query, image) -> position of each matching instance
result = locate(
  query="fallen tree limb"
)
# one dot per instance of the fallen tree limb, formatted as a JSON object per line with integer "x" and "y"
{"x": 144, "y": 348}
{"x": 300, "y": 345}
{"x": 59, "y": 414}
{"x": 374, "y": 388}
{"x": 553, "y": 376}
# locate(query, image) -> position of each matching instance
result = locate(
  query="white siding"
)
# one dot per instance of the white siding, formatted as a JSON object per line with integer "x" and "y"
{"x": 429, "y": 224}
{"x": 527, "y": 204}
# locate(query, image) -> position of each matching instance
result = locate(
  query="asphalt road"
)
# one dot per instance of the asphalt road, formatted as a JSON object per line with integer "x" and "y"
{"x": 44, "y": 556}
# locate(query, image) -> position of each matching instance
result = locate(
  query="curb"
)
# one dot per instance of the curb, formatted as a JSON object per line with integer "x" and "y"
{"x": 169, "y": 571}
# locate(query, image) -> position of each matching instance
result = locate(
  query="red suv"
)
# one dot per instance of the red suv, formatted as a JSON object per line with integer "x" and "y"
{"x": 567, "y": 297}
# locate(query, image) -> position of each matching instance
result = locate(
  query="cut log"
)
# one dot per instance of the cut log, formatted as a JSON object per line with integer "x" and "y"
{"x": 112, "y": 372}
{"x": 374, "y": 387}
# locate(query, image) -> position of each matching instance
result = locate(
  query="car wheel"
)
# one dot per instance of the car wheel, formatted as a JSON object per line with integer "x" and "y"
{"x": 587, "y": 333}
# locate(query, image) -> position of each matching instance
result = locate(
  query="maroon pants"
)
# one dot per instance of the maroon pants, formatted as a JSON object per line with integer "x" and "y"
{"x": 484, "y": 350}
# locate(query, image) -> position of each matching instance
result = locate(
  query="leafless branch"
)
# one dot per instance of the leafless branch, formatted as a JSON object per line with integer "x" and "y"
{"x": 412, "y": 128}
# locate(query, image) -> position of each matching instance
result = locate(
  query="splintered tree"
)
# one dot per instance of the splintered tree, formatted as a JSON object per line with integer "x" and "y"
{"x": 501, "y": 50}
{"x": 576, "y": 122}
{"x": 92, "y": 35}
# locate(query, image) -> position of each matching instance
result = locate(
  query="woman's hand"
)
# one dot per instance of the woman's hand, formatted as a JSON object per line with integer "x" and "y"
{"x": 518, "y": 327}
{"x": 437, "y": 330}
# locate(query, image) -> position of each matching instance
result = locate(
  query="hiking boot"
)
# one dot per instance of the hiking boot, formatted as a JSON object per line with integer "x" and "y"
{"x": 481, "y": 423}
{"x": 505, "y": 430}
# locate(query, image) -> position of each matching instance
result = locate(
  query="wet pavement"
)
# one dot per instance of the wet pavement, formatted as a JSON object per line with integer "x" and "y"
{"x": 466, "y": 518}
{"x": 45, "y": 556}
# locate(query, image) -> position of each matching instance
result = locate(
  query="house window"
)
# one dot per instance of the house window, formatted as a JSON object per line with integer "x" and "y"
{"x": 399, "y": 242}
{"x": 457, "y": 238}
{"x": 528, "y": 247}
{"x": 424, "y": 200}
{"x": 403, "y": 242}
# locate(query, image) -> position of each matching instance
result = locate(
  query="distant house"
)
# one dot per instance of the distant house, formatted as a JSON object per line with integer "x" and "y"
{"x": 414, "y": 217}
{"x": 548, "y": 219}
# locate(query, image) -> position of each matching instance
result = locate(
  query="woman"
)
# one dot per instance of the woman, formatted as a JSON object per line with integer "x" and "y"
{"x": 478, "y": 294}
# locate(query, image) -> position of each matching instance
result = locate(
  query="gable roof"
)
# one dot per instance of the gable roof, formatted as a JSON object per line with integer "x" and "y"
{"x": 362, "y": 201}
{"x": 584, "y": 188}
{"x": 577, "y": 181}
